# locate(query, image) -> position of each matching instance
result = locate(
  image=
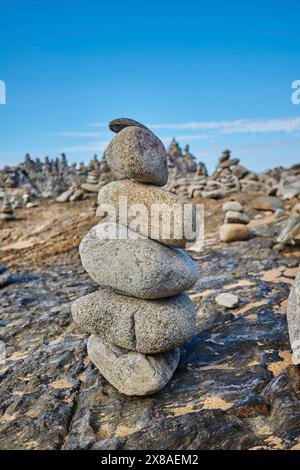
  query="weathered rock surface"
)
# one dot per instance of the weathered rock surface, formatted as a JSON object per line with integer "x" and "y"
{"x": 137, "y": 153}
{"x": 146, "y": 326}
{"x": 141, "y": 268}
{"x": 293, "y": 319}
{"x": 234, "y": 232}
{"x": 290, "y": 231}
{"x": 130, "y": 372}
{"x": 267, "y": 203}
{"x": 235, "y": 377}
{"x": 138, "y": 193}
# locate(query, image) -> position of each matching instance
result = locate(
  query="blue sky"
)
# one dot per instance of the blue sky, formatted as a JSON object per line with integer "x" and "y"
{"x": 214, "y": 74}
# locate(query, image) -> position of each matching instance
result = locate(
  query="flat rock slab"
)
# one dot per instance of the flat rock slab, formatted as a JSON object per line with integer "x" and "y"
{"x": 267, "y": 203}
{"x": 147, "y": 326}
{"x": 227, "y": 300}
{"x": 140, "y": 268}
{"x": 132, "y": 373}
{"x": 116, "y": 125}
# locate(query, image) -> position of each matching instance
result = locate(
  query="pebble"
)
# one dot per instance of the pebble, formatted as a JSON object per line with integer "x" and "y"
{"x": 234, "y": 232}
{"x": 227, "y": 300}
{"x": 234, "y": 217}
{"x": 232, "y": 206}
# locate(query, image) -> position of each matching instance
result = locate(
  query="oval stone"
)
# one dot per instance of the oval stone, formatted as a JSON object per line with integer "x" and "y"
{"x": 146, "y": 326}
{"x": 132, "y": 373}
{"x": 163, "y": 216}
{"x": 140, "y": 268}
{"x": 137, "y": 153}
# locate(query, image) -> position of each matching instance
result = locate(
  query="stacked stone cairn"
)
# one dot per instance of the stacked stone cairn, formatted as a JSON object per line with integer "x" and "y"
{"x": 7, "y": 212}
{"x": 140, "y": 315}
{"x": 235, "y": 223}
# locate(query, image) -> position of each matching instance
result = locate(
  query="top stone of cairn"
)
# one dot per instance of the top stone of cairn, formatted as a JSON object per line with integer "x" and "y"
{"x": 116, "y": 125}
{"x": 136, "y": 153}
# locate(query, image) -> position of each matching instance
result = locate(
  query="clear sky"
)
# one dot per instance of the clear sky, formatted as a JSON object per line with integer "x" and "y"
{"x": 214, "y": 74}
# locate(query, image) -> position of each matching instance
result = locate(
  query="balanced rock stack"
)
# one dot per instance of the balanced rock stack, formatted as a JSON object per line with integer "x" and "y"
{"x": 235, "y": 223}
{"x": 7, "y": 212}
{"x": 140, "y": 315}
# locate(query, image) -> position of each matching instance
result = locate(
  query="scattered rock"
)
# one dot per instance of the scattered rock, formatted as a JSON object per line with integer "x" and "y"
{"x": 289, "y": 193}
{"x": 268, "y": 203}
{"x": 227, "y": 300}
{"x": 234, "y": 232}
{"x": 232, "y": 206}
{"x": 234, "y": 217}
{"x": 296, "y": 209}
{"x": 5, "y": 276}
{"x": 290, "y": 232}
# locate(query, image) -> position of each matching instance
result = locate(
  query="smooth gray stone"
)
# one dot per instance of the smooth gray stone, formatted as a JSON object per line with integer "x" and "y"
{"x": 141, "y": 267}
{"x": 132, "y": 373}
{"x": 136, "y": 153}
{"x": 147, "y": 326}
{"x": 232, "y": 206}
{"x": 234, "y": 217}
{"x": 293, "y": 319}
{"x": 170, "y": 229}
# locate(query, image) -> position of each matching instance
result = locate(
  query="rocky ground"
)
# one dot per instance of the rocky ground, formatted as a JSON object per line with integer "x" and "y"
{"x": 235, "y": 387}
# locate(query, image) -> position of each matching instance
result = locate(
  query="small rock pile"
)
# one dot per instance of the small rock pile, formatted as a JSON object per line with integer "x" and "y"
{"x": 7, "y": 212}
{"x": 74, "y": 193}
{"x": 235, "y": 223}
{"x": 140, "y": 315}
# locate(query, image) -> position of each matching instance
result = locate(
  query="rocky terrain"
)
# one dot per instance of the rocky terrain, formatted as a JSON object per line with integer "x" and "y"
{"x": 235, "y": 386}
